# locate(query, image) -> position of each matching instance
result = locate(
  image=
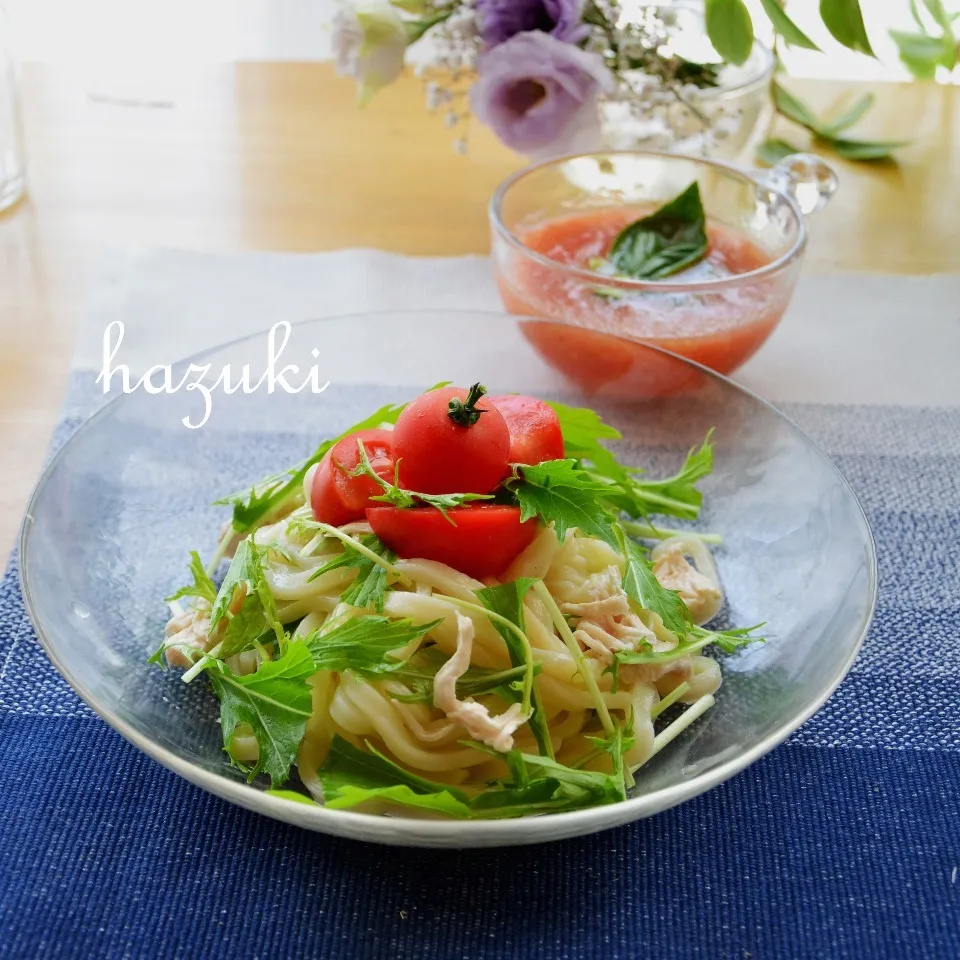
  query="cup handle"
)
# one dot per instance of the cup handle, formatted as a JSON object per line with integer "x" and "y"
{"x": 808, "y": 179}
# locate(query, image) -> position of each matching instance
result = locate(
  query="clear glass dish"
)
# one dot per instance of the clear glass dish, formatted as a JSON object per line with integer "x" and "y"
{"x": 719, "y": 321}
{"x": 110, "y": 524}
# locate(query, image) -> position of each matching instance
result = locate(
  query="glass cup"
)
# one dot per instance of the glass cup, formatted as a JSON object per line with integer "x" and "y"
{"x": 717, "y": 320}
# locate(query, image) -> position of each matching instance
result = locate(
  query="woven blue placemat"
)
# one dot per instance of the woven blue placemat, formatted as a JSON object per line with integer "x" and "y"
{"x": 844, "y": 842}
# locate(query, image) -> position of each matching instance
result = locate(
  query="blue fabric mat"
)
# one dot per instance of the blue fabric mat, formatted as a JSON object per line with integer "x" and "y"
{"x": 844, "y": 842}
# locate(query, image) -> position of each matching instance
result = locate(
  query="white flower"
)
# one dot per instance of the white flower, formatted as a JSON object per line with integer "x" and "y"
{"x": 369, "y": 43}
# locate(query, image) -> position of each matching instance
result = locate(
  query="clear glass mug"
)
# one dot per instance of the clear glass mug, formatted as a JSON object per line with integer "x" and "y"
{"x": 719, "y": 321}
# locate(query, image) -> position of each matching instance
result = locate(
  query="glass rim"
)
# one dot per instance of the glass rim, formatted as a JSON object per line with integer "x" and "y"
{"x": 647, "y": 286}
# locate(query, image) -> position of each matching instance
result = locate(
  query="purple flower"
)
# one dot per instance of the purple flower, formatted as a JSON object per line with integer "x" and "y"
{"x": 502, "y": 19}
{"x": 539, "y": 95}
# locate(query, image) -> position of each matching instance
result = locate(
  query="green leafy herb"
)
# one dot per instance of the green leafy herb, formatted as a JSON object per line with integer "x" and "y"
{"x": 845, "y": 22}
{"x": 665, "y": 242}
{"x": 576, "y": 787}
{"x": 418, "y": 674}
{"x": 252, "y": 506}
{"x": 506, "y": 599}
{"x": 730, "y": 29}
{"x": 562, "y": 493}
{"x": 616, "y": 745}
{"x": 641, "y": 586}
{"x": 785, "y": 27}
{"x": 276, "y": 703}
{"x": 202, "y": 586}
{"x": 441, "y": 802}
{"x": 363, "y": 645}
{"x": 292, "y": 795}
{"x": 369, "y": 589}
{"x": 348, "y": 767}
{"x": 583, "y": 429}
{"x": 697, "y": 639}
{"x": 394, "y": 494}
{"x": 675, "y": 496}
{"x": 257, "y": 613}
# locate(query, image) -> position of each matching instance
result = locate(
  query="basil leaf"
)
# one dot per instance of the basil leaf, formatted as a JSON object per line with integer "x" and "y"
{"x": 845, "y": 22}
{"x": 667, "y": 241}
{"x": 730, "y": 29}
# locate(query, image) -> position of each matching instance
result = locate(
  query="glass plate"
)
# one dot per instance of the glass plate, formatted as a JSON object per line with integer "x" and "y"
{"x": 110, "y": 524}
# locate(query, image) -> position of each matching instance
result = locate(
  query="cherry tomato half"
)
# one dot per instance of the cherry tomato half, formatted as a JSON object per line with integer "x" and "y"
{"x": 534, "y": 426}
{"x": 355, "y": 492}
{"x": 484, "y": 541}
{"x": 325, "y": 500}
{"x": 451, "y": 450}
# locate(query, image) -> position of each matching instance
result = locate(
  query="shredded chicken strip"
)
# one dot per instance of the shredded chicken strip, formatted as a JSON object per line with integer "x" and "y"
{"x": 496, "y": 732}
{"x": 699, "y": 592}
{"x": 187, "y": 631}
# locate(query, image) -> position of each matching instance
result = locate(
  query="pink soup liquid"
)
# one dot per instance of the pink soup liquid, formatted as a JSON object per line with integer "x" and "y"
{"x": 721, "y": 329}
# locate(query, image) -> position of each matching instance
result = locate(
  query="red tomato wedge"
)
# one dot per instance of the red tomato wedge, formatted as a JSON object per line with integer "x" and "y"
{"x": 462, "y": 449}
{"x": 484, "y": 541}
{"x": 355, "y": 492}
{"x": 325, "y": 500}
{"x": 534, "y": 426}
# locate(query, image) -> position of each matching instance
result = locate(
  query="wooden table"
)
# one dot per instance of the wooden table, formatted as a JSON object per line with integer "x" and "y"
{"x": 276, "y": 156}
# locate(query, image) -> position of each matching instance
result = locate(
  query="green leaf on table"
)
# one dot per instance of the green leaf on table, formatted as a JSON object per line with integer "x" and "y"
{"x": 562, "y": 493}
{"x": 849, "y": 118}
{"x": 202, "y": 587}
{"x": 641, "y": 585}
{"x": 844, "y": 20}
{"x": 363, "y": 645}
{"x": 582, "y": 430}
{"x": 730, "y": 29}
{"x": 256, "y": 614}
{"x": 771, "y": 152}
{"x": 668, "y": 240}
{"x": 784, "y": 26}
{"x": 276, "y": 703}
{"x": 866, "y": 149}
{"x": 825, "y": 132}
{"x": 794, "y": 108}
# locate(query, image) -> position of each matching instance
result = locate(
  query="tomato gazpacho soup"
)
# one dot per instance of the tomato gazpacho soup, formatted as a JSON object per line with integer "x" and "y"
{"x": 719, "y": 327}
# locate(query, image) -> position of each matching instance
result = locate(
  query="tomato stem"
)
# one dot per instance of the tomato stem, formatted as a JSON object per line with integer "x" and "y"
{"x": 465, "y": 412}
